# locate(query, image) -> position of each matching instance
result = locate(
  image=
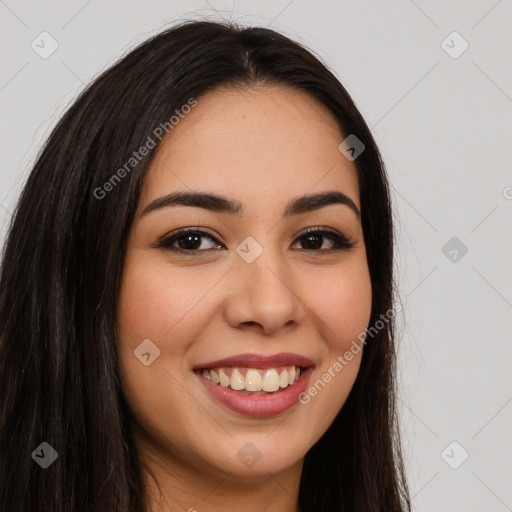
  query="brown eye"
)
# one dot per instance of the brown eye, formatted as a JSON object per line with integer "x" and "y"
{"x": 194, "y": 240}
{"x": 314, "y": 240}
{"x": 188, "y": 240}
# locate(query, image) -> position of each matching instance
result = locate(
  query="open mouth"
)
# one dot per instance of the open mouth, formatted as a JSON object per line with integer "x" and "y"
{"x": 253, "y": 381}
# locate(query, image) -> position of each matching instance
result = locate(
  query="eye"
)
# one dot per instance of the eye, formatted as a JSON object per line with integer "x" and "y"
{"x": 314, "y": 236}
{"x": 191, "y": 240}
{"x": 188, "y": 240}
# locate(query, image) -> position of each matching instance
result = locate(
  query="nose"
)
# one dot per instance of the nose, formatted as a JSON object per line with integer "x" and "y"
{"x": 264, "y": 295}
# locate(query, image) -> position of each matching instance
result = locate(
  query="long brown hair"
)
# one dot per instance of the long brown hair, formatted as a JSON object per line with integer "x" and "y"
{"x": 60, "y": 277}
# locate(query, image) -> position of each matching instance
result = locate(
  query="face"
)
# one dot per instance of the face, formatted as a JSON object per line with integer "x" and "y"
{"x": 231, "y": 308}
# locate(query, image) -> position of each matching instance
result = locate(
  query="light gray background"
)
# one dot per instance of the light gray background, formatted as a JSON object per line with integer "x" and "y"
{"x": 444, "y": 127}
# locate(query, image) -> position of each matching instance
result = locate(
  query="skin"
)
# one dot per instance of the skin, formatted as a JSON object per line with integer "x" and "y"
{"x": 262, "y": 146}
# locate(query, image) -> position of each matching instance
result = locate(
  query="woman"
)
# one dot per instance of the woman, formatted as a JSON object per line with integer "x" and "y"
{"x": 188, "y": 288}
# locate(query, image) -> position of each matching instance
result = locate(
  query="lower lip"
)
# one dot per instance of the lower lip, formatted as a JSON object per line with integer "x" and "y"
{"x": 259, "y": 406}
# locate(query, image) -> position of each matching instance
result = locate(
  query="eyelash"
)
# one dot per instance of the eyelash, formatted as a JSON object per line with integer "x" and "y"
{"x": 341, "y": 242}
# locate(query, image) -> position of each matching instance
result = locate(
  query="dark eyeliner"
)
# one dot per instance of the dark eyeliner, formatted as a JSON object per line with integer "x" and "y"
{"x": 167, "y": 241}
{"x": 341, "y": 242}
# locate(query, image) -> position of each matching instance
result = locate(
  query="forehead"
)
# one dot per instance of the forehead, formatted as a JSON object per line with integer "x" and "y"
{"x": 262, "y": 144}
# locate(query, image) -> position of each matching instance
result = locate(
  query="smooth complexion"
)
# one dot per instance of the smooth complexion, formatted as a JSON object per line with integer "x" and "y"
{"x": 261, "y": 146}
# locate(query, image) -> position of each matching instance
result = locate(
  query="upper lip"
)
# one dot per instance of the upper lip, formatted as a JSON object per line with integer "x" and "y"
{"x": 258, "y": 361}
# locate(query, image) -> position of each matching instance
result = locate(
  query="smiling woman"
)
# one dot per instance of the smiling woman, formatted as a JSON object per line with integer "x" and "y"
{"x": 157, "y": 342}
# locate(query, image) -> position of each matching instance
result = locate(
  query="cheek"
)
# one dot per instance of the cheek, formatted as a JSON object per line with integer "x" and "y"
{"x": 154, "y": 300}
{"x": 150, "y": 308}
{"x": 342, "y": 311}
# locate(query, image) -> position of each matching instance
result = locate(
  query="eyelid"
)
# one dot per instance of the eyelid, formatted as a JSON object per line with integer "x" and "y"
{"x": 337, "y": 237}
{"x": 191, "y": 229}
{"x": 341, "y": 241}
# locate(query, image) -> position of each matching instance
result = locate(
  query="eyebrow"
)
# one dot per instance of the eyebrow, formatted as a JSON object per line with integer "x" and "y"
{"x": 217, "y": 203}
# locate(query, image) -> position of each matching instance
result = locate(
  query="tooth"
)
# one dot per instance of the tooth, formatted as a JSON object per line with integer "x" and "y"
{"x": 224, "y": 379}
{"x": 283, "y": 379}
{"x": 291, "y": 375}
{"x": 237, "y": 380}
{"x": 271, "y": 380}
{"x": 253, "y": 380}
{"x": 214, "y": 377}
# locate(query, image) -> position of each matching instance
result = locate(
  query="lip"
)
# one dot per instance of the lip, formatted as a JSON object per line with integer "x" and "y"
{"x": 258, "y": 406}
{"x": 252, "y": 360}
